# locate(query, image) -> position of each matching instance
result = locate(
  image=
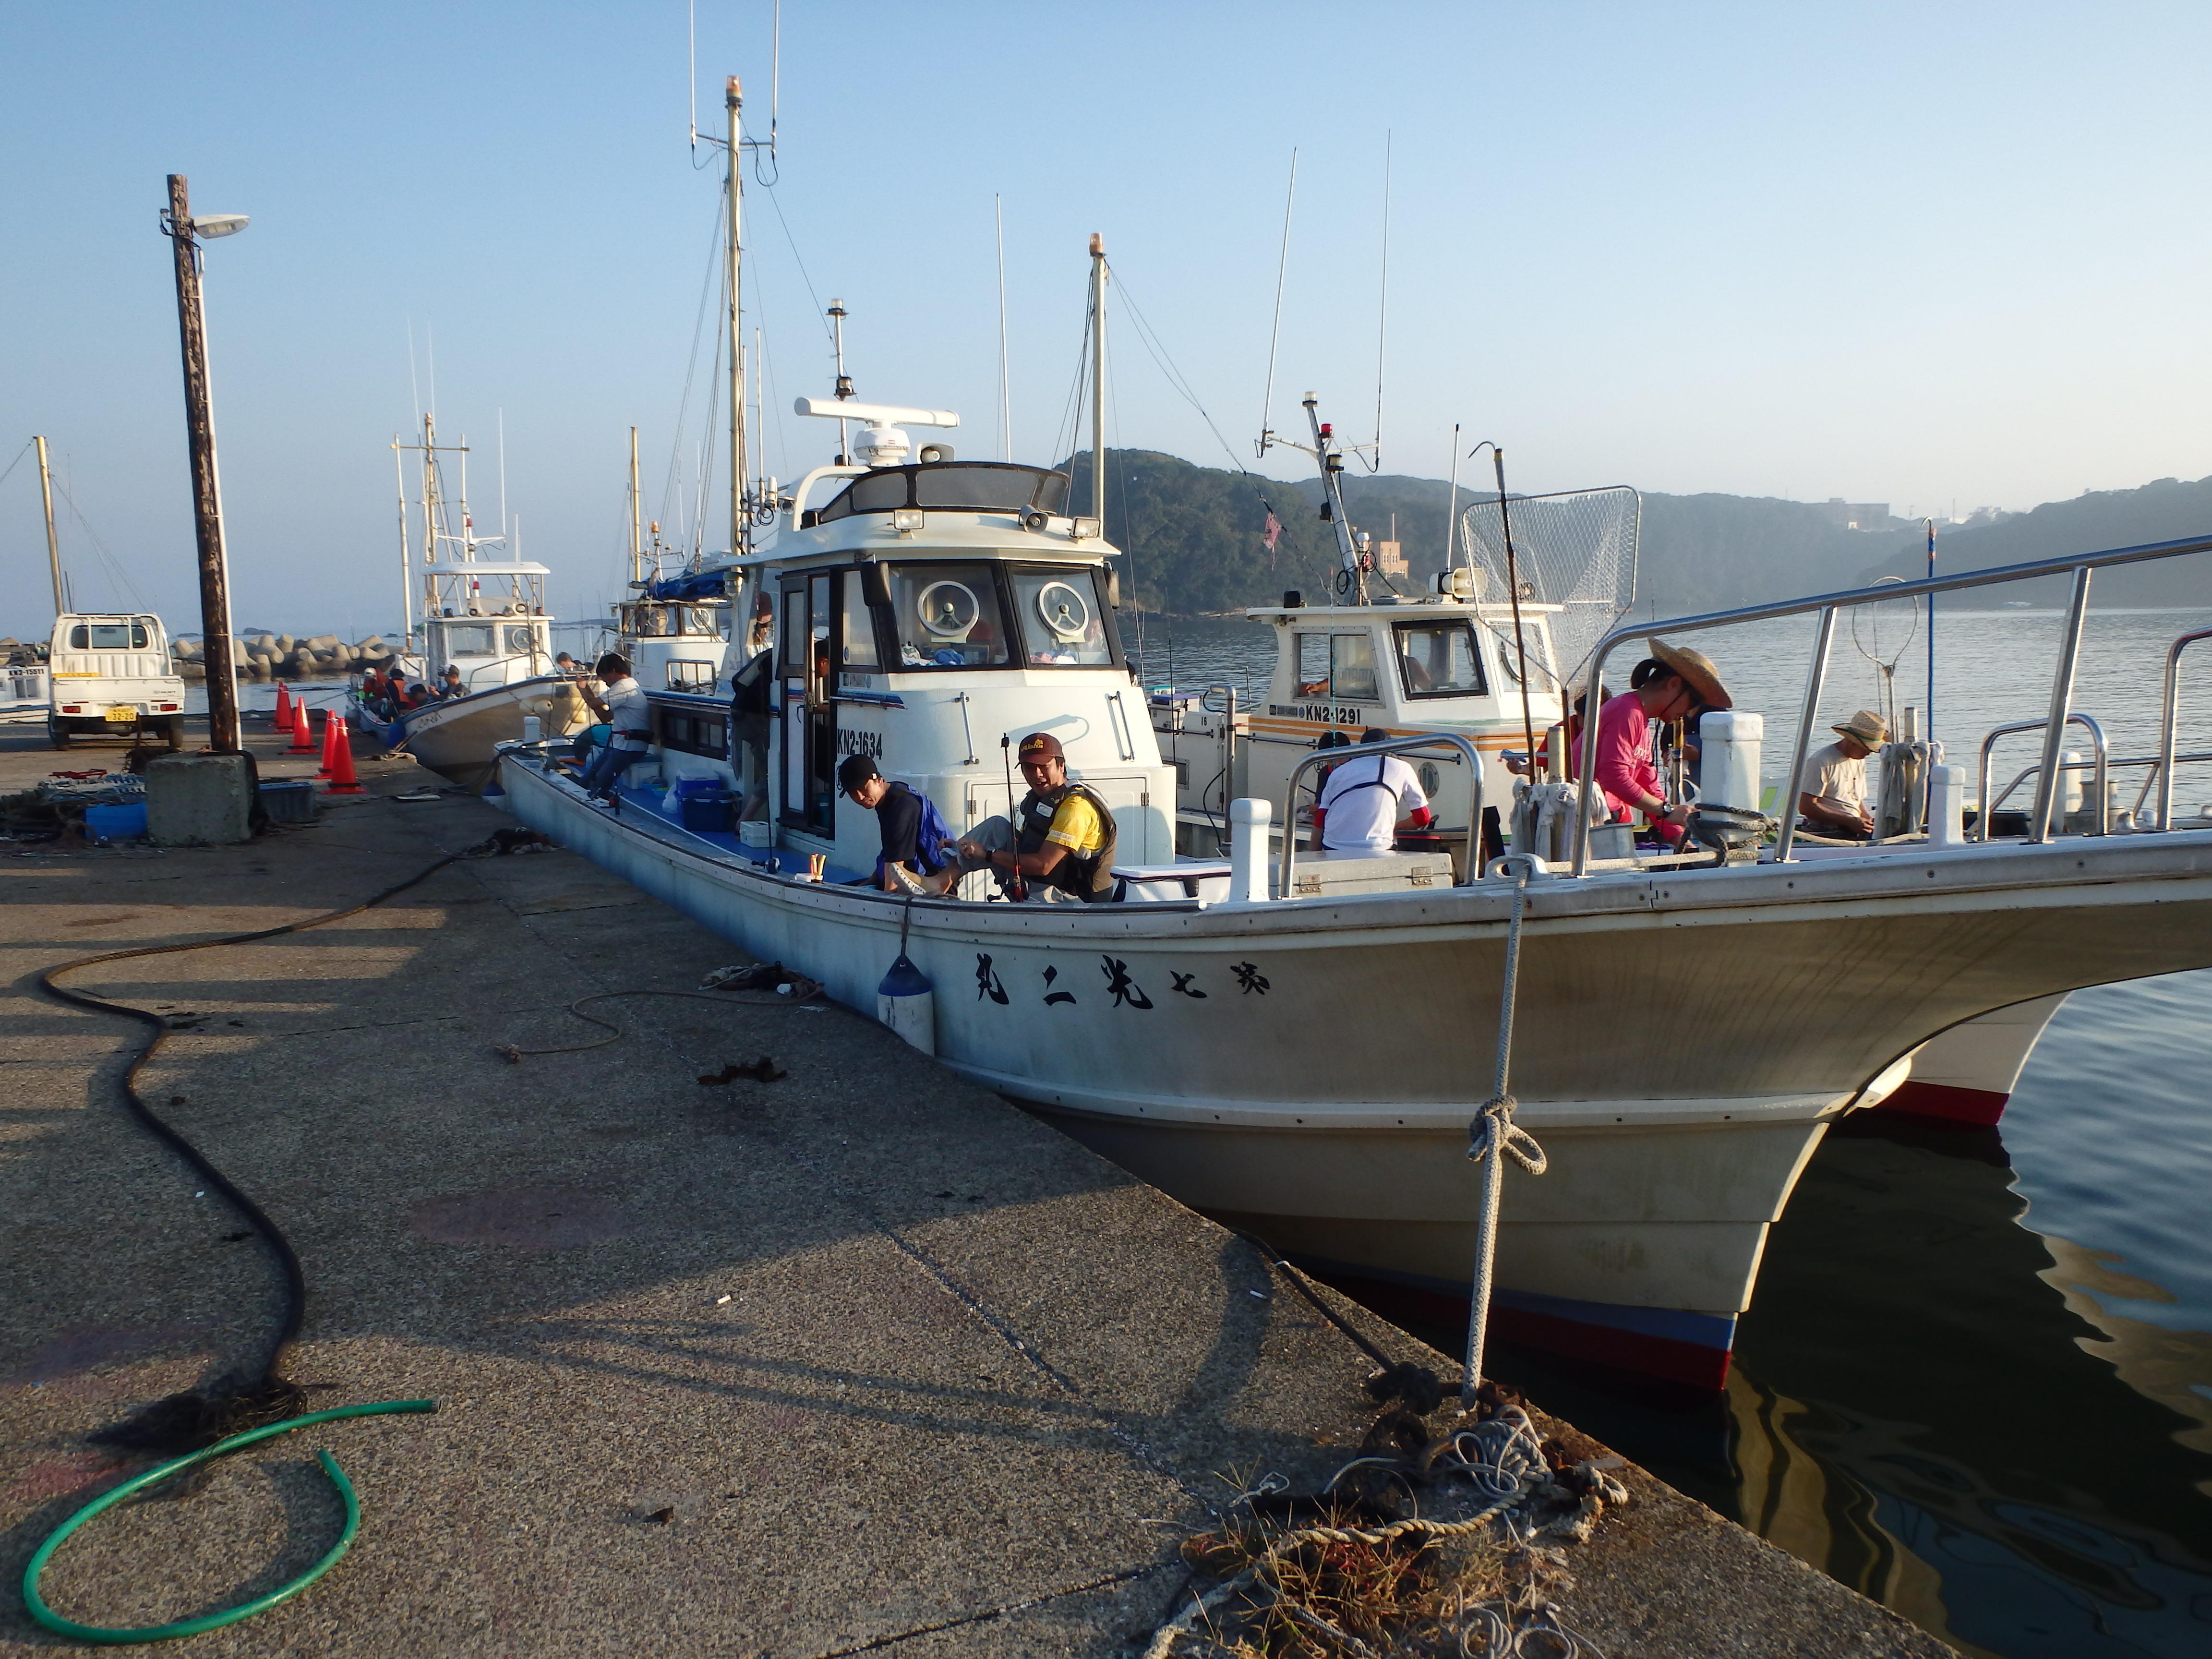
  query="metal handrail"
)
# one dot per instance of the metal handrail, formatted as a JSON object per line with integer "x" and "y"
{"x": 1994, "y": 576}
{"x": 2102, "y": 763}
{"x": 2166, "y": 726}
{"x": 1394, "y": 746}
{"x": 2148, "y": 763}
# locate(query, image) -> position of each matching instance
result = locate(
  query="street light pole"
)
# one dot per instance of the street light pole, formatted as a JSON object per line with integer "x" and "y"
{"x": 207, "y": 495}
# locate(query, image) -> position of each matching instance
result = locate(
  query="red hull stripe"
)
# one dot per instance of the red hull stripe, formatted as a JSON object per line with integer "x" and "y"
{"x": 1980, "y": 1107}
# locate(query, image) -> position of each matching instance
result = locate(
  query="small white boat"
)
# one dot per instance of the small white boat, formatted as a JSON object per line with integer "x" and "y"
{"x": 486, "y": 619}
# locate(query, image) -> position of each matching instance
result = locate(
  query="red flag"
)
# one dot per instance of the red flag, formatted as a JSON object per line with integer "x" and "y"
{"x": 1273, "y": 533}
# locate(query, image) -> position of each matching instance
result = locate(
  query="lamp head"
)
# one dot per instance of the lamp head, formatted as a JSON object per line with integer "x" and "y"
{"x": 207, "y": 225}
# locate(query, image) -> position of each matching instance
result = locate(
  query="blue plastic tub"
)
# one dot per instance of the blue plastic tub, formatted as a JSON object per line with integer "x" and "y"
{"x": 117, "y": 822}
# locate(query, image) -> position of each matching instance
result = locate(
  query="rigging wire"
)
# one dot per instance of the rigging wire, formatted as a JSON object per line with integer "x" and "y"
{"x": 1275, "y": 333}
{"x": 28, "y": 445}
{"x": 114, "y": 569}
{"x": 673, "y": 482}
{"x": 1148, "y": 337}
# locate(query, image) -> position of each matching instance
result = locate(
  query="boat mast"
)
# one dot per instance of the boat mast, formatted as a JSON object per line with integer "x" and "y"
{"x": 53, "y": 545}
{"x": 1098, "y": 380}
{"x": 740, "y": 519}
{"x": 1353, "y": 564}
{"x": 406, "y": 555}
{"x": 637, "y": 544}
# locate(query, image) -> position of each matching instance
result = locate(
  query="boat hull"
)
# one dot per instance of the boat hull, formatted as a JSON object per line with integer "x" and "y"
{"x": 1683, "y": 1038}
{"x": 461, "y": 738}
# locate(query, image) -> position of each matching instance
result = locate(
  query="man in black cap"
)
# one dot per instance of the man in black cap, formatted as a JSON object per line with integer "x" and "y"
{"x": 1062, "y": 840}
{"x": 920, "y": 854}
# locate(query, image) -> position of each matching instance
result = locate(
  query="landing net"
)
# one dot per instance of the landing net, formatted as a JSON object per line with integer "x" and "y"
{"x": 1575, "y": 549}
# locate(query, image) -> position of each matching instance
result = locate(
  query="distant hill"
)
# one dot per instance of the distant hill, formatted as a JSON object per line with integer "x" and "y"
{"x": 2167, "y": 510}
{"x": 1194, "y": 534}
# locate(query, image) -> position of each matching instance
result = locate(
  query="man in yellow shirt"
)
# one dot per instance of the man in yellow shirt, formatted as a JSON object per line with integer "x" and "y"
{"x": 1060, "y": 842}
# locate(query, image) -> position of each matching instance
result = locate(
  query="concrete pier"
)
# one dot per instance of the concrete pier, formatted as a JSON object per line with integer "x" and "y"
{"x": 860, "y": 1359}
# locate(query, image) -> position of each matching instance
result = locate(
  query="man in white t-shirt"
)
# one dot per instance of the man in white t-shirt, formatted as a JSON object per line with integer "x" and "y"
{"x": 629, "y": 717}
{"x": 1369, "y": 801}
{"x": 1832, "y": 789}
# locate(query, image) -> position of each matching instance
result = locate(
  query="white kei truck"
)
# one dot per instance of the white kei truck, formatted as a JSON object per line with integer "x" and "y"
{"x": 110, "y": 675}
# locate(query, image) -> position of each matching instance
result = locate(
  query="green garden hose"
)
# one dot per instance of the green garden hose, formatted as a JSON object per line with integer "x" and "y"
{"x": 54, "y": 1621}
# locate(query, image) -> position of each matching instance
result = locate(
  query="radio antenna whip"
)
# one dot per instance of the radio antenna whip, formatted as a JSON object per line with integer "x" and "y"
{"x": 1383, "y": 314}
{"x": 1275, "y": 333}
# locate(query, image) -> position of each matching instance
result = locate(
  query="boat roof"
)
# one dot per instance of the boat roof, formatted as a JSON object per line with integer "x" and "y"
{"x": 1423, "y": 604}
{"x": 947, "y": 509}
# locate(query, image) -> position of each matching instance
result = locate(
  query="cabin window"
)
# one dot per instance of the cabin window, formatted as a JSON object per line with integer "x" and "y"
{"x": 690, "y": 674}
{"x": 1439, "y": 660}
{"x": 468, "y": 639}
{"x": 108, "y": 636}
{"x": 858, "y": 644}
{"x": 690, "y": 733}
{"x": 1352, "y": 668}
{"x": 1542, "y": 676}
{"x": 947, "y": 616}
{"x": 1063, "y": 623}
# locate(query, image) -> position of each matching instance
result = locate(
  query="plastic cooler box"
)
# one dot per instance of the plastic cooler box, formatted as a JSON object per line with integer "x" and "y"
{"x": 703, "y": 804}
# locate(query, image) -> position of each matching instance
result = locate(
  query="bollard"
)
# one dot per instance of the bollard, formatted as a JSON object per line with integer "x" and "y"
{"x": 1247, "y": 851}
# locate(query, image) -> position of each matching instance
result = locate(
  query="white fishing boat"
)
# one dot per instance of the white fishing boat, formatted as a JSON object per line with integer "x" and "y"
{"x": 485, "y": 618}
{"x": 1300, "y": 1042}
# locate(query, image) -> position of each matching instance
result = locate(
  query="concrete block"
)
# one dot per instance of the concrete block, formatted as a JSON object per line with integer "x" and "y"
{"x": 198, "y": 801}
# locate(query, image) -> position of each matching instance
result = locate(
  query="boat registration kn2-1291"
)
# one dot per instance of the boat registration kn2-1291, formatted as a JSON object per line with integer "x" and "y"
{"x": 1304, "y": 1055}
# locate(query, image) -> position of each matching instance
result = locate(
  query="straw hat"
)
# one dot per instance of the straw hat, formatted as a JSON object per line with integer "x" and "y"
{"x": 1867, "y": 727}
{"x": 1697, "y": 669}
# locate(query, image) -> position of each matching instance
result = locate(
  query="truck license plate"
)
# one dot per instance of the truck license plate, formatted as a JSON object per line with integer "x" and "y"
{"x": 123, "y": 716}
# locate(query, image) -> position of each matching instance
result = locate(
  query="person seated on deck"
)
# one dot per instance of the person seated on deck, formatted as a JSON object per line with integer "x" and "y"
{"x": 1359, "y": 810}
{"x": 1062, "y": 850}
{"x": 629, "y": 718}
{"x": 920, "y": 854}
{"x": 1832, "y": 789}
{"x": 566, "y": 666}
{"x": 1672, "y": 683}
{"x": 450, "y": 687}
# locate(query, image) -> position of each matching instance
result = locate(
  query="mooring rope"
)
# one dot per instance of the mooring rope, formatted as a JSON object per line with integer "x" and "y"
{"x": 1493, "y": 1137}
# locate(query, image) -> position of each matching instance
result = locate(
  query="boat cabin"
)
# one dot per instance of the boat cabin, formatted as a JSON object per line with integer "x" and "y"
{"x": 1444, "y": 664}
{"x": 929, "y": 615}
{"x": 488, "y": 619}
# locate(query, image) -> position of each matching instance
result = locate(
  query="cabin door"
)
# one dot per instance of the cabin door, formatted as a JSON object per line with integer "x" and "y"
{"x": 808, "y": 732}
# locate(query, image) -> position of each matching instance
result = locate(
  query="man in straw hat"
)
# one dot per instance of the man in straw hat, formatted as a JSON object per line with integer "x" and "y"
{"x": 1832, "y": 789}
{"x": 1673, "y": 684}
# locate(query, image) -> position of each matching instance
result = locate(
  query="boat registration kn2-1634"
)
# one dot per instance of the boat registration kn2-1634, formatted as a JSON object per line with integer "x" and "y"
{"x": 1309, "y": 1061}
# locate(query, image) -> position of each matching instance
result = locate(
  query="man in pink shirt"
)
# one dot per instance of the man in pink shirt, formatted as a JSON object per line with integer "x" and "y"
{"x": 1671, "y": 685}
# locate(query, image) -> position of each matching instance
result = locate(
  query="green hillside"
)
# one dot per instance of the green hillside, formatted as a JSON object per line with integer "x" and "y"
{"x": 1193, "y": 537}
{"x": 2167, "y": 510}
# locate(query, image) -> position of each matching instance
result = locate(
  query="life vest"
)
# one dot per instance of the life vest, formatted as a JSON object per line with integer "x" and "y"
{"x": 751, "y": 685}
{"x": 1089, "y": 876}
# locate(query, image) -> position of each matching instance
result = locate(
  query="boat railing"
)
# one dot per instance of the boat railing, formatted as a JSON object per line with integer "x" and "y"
{"x": 2164, "y": 775}
{"x": 2150, "y": 763}
{"x": 2103, "y": 764}
{"x": 1824, "y": 607}
{"x": 500, "y": 663}
{"x": 1394, "y": 746}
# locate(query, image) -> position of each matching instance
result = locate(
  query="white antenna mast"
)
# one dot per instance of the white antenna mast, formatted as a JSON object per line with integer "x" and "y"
{"x": 1275, "y": 333}
{"x": 1005, "y": 398}
{"x": 1451, "y": 512}
{"x": 1382, "y": 312}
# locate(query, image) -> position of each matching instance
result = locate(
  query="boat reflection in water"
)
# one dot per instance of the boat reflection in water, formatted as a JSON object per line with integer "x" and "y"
{"x": 1936, "y": 1405}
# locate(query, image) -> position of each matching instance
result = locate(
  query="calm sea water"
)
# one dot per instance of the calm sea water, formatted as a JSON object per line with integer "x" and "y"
{"x": 1977, "y": 1383}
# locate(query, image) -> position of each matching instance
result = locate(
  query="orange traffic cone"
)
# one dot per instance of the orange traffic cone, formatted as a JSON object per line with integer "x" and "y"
{"x": 343, "y": 782}
{"x": 283, "y": 708}
{"x": 329, "y": 737}
{"x": 303, "y": 743}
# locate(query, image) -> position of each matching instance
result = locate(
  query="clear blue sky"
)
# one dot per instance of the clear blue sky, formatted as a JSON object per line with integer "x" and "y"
{"x": 1905, "y": 253}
